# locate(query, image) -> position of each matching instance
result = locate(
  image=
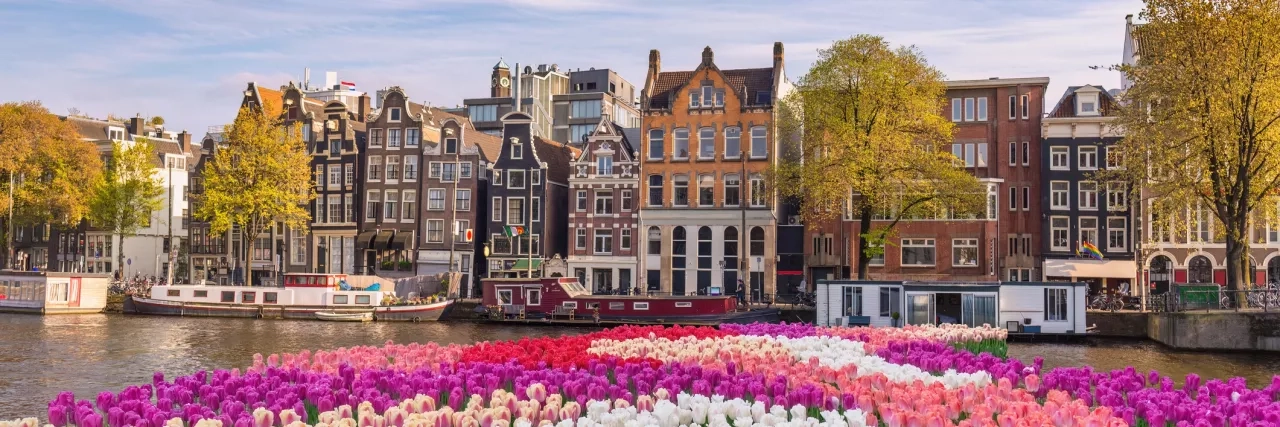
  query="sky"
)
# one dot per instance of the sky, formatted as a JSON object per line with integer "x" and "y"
{"x": 189, "y": 60}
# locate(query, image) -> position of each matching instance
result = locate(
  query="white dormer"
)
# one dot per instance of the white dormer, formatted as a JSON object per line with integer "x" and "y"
{"x": 115, "y": 133}
{"x": 1088, "y": 101}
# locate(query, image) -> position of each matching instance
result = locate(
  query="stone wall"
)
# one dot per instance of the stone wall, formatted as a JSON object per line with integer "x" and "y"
{"x": 1216, "y": 331}
{"x": 1118, "y": 324}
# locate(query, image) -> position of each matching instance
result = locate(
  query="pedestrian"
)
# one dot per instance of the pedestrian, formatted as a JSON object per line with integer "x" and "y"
{"x": 742, "y": 292}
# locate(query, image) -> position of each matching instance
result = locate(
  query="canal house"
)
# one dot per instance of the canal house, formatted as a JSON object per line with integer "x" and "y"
{"x": 52, "y": 292}
{"x": 1030, "y": 307}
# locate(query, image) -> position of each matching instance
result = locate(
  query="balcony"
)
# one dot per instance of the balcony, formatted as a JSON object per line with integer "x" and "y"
{"x": 822, "y": 260}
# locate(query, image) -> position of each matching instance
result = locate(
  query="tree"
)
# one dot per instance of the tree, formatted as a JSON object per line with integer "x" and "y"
{"x": 124, "y": 200}
{"x": 260, "y": 177}
{"x": 48, "y": 168}
{"x": 868, "y": 118}
{"x": 1202, "y": 120}
{"x": 156, "y": 121}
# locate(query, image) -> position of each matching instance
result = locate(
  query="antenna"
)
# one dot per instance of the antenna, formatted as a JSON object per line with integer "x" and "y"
{"x": 306, "y": 79}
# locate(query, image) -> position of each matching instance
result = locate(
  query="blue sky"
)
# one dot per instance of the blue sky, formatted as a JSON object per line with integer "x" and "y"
{"x": 188, "y": 60}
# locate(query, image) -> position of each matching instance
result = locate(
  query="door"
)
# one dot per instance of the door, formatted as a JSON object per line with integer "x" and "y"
{"x": 920, "y": 309}
{"x": 978, "y": 310}
{"x": 602, "y": 279}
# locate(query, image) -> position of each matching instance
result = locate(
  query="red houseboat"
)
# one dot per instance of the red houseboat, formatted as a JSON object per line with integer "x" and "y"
{"x": 564, "y": 300}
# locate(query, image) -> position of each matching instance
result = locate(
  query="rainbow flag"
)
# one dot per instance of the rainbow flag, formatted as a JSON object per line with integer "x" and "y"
{"x": 1091, "y": 250}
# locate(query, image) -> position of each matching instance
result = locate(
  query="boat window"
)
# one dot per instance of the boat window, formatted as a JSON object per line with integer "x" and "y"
{"x": 173, "y": 293}
{"x": 640, "y": 305}
{"x": 269, "y": 297}
{"x": 533, "y": 297}
{"x": 504, "y": 297}
{"x": 571, "y": 304}
{"x": 202, "y": 294}
{"x": 617, "y": 305}
{"x": 362, "y": 299}
{"x": 248, "y": 297}
{"x": 339, "y": 299}
{"x": 228, "y": 296}
{"x": 685, "y": 304}
{"x": 593, "y": 306}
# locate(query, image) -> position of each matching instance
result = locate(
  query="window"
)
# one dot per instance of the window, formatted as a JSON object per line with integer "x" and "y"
{"x": 604, "y": 165}
{"x": 732, "y": 190}
{"x": 435, "y": 199}
{"x": 515, "y": 211}
{"x": 625, "y": 236}
{"x": 434, "y": 170}
{"x": 1058, "y": 233}
{"x": 1058, "y": 197}
{"x": 349, "y": 174}
{"x": 756, "y": 247}
{"x": 680, "y": 139}
{"x": 1088, "y": 105}
{"x": 680, "y": 184}
{"x": 655, "y": 190}
{"x": 970, "y": 154}
{"x": 655, "y": 144}
{"x": 1013, "y": 107}
{"x": 581, "y": 205}
{"x": 626, "y": 201}
{"x": 580, "y": 133}
{"x": 372, "y": 201}
{"x": 393, "y": 169}
{"x": 497, "y": 177}
{"x": 362, "y": 299}
{"x": 517, "y": 150}
{"x": 465, "y": 168}
{"x": 1055, "y": 304}
{"x": 349, "y": 202}
{"x": 639, "y": 306}
{"x": 573, "y": 305}
{"x": 171, "y": 293}
{"x": 462, "y": 199}
{"x": 535, "y": 177}
{"x": 448, "y": 172}
{"x": 982, "y": 109}
{"x": 603, "y": 241}
{"x": 851, "y": 303}
{"x": 982, "y": 154}
{"x": 1058, "y": 158}
{"x": 390, "y": 205}
{"x": 335, "y": 175}
{"x": 1088, "y": 157}
{"x": 968, "y": 109}
{"x": 459, "y": 231}
{"x": 604, "y": 202}
{"x": 393, "y": 138}
{"x": 1013, "y": 153}
{"x": 655, "y": 241}
{"x": 1117, "y": 198}
{"x": 451, "y": 145}
{"x": 504, "y": 296}
{"x": 757, "y": 191}
{"x": 707, "y": 143}
{"x": 339, "y": 299}
{"x": 580, "y": 238}
{"x": 720, "y": 97}
{"x": 248, "y": 297}
{"x": 1113, "y": 158}
{"x": 1026, "y": 153}
{"x": 335, "y": 147}
{"x": 411, "y": 168}
{"x": 759, "y": 143}
{"x": 1088, "y": 230}
{"x": 483, "y": 113}
{"x": 228, "y": 296}
{"x": 1013, "y": 198}
{"x": 515, "y": 179}
{"x": 1026, "y": 198}
{"x": 435, "y": 231}
{"x": 335, "y": 208}
{"x": 375, "y": 138}
{"x": 1088, "y": 195}
{"x": 1117, "y": 235}
{"x": 533, "y": 297}
{"x": 410, "y": 203}
{"x": 706, "y": 190}
{"x": 298, "y": 249}
{"x": 320, "y": 175}
{"x": 917, "y": 252}
{"x": 1026, "y": 107}
{"x": 502, "y": 246}
{"x": 956, "y": 110}
{"x": 585, "y": 109}
{"x": 890, "y": 300}
{"x": 412, "y": 136}
{"x": 395, "y": 114}
{"x": 964, "y": 252}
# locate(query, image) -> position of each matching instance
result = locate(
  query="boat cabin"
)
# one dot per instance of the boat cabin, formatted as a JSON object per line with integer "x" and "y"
{"x": 554, "y": 295}
{"x": 1021, "y": 307}
{"x": 300, "y": 289}
{"x": 52, "y": 292}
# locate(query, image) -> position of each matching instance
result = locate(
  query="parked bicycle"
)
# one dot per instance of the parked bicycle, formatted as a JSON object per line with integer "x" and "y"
{"x": 1106, "y": 302}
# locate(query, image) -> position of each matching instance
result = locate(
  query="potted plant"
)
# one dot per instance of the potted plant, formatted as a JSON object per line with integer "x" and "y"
{"x": 387, "y": 265}
{"x": 405, "y": 265}
{"x": 896, "y": 316}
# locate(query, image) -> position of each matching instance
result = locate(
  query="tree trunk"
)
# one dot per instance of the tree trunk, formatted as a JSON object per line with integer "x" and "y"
{"x": 1237, "y": 262}
{"x": 250, "y": 240}
{"x": 119, "y": 254}
{"x": 864, "y": 226}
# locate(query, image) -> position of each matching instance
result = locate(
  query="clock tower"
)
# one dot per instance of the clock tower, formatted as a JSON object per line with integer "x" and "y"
{"x": 500, "y": 81}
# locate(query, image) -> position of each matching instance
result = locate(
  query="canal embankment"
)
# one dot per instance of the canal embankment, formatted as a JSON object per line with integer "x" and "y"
{"x": 1213, "y": 330}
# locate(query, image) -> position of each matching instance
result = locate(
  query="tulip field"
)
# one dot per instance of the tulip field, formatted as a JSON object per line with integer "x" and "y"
{"x": 735, "y": 375}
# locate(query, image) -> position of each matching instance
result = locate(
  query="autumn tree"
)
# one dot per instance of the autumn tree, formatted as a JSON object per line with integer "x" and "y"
{"x": 1202, "y": 120}
{"x": 130, "y": 191}
{"x": 46, "y": 166}
{"x": 869, "y": 120}
{"x": 261, "y": 176}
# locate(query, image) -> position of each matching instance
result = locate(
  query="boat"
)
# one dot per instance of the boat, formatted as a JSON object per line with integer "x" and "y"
{"x": 39, "y": 292}
{"x": 564, "y": 301}
{"x": 301, "y": 296}
{"x": 344, "y": 317}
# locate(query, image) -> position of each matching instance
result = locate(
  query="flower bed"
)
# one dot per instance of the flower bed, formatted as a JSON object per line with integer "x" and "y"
{"x": 759, "y": 375}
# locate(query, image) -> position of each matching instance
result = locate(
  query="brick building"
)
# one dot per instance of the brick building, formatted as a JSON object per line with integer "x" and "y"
{"x": 335, "y": 137}
{"x": 708, "y": 139}
{"x": 604, "y": 211}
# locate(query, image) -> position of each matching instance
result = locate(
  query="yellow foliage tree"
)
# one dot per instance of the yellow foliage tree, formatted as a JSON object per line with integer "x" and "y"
{"x": 261, "y": 176}
{"x": 868, "y": 118}
{"x": 1202, "y": 121}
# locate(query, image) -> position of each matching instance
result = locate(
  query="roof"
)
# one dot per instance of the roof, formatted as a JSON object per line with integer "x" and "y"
{"x": 996, "y": 82}
{"x": 270, "y": 97}
{"x": 490, "y": 146}
{"x": 1065, "y": 107}
{"x": 501, "y": 65}
{"x": 558, "y": 157}
{"x": 92, "y": 129}
{"x": 744, "y": 82}
{"x": 96, "y": 130}
{"x": 631, "y": 137}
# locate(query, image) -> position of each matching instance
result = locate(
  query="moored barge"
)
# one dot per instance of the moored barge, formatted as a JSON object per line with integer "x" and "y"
{"x": 564, "y": 301}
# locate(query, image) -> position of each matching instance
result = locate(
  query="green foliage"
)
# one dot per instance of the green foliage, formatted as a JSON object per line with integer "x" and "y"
{"x": 123, "y": 201}
{"x": 997, "y": 348}
{"x": 156, "y": 121}
{"x": 53, "y": 169}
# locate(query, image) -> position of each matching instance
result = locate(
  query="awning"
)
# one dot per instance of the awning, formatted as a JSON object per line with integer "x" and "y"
{"x": 381, "y": 240}
{"x": 401, "y": 240}
{"x": 1089, "y": 268}
{"x": 364, "y": 239}
{"x": 523, "y": 264}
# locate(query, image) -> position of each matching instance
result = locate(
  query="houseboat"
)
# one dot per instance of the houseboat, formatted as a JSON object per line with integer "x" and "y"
{"x": 1021, "y": 307}
{"x": 52, "y": 293}
{"x": 563, "y": 300}
{"x": 302, "y": 296}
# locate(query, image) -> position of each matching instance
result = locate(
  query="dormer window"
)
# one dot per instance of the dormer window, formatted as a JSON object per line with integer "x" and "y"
{"x": 1088, "y": 104}
{"x": 708, "y": 92}
{"x": 517, "y": 149}
{"x": 695, "y": 99}
{"x": 115, "y": 134}
{"x": 451, "y": 145}
{"x": 763, "y": 97}
{"x": 395, "y": 114}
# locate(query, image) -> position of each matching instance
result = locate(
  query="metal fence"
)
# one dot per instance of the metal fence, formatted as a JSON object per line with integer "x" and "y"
{"x": 1184, "y": 300}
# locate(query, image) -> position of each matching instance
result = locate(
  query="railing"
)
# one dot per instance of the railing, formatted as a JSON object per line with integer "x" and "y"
{"x": 1263, "y": 299}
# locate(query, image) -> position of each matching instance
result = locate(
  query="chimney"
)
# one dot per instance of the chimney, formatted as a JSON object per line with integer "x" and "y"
{"x": 184, "y": 141}
{"x": 515, "y": 89}
{"x": 137, "y": 125}
{"x": 362, "y": 108}
{"x": 777, "y": 55}
{"x": 655, "y": 62}
{"x": 1128, "y": 19}
{"x": 707, "y": 56}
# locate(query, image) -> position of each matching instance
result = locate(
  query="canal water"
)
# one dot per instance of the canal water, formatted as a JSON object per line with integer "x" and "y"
{"x": 41, "y": 356}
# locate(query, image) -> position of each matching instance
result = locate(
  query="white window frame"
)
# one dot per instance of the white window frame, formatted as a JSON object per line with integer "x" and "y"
{"x": 507, "y": 207}
{"x": 458, "y": 206}
{"x": 640, "y": 306}
{"x": 524, "y": 181}
{"x": 393, "y": 115}
{"x": 517, "y": 151}
{"x": 1087, "y": 157}
{"x": 394, "y": 209}
{"x": 1056, "y": 304}
{"x": 625, "y": 237}
{"x": 348, "y": 174}
{"x": 431, "y": 199}
{"x": 374, "y": 198}
{"x": 1123, "y": 231}
{"x": 919, "y": 243}
{"x": 1087, "y": 200}
{"x": 580, "y": 201}
{"x": 600, "y": 198}
{"x": 405, "y": 169}
{"x": 1059, "y": 199}
{"x": 1026, "y": 107}
{"x": 529, "y": 297}
{"x": 1086, "y": 227}
{"x": 957, "y": 109}
{"x": 1066, "y": 233}
{"x": 969, "y": 106}
{"x": 1026, "y": 153}
{"x": 957, "y": 244}
{"x": 335, "y": 176}
{"x": 1026, "y": 198}
{"x": 435, "y": 225}
{"x": 703, "y": 142}
{"x": 596, "y": 242}
{"x": 675, "y": 143}
{"x": 1013, "y": 107}
{"x": 1060, "y": 158}
{"x": 982, "y": 109}
{"x": 763, "y": 139}
{"x": 1117, "y": 196}
{"x": 1013, "y": 198}
{"x": 1013, "y": 153}
{"x": 580, "y": 238}
{"x": 497, "y": 210}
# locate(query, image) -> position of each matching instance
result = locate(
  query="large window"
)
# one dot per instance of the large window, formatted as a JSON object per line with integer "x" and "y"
{"x": 1088, "y": 157}
{"x": 707, "y": 143}
{"x": 515, "y": 211}
{"x": 1117, "y": 197}
{"x": 957, "y": 110}
{"x": 656, "y": 137}
{"x": 462, "y": 199}
{"x": 435, "y": 199}
{"x": 515, "y": 178}
{"x": 655, "y": 190}
{"x": 393, "y": 168}
{"x": 335, "y": 176}
{"x": 393, "y": 138}
{"x": 483, "y": 113}
{"x": 435, "y": 230}
{"x": 604, "y": 165}
{"x": 706, "y": 190}
{"x": 1088, "y": 195}
{"x": 680, "y": 140}
{"x": 964, "y": 252}
{"x": 890, "y": 301}
{"x": 732, "y": 142}
{"x": 585, "y": 109}
{"x": 680, "y": 186}
{"x": 917, "y": 252}
{"x": 335, "y": 208}
{"x": 390, "y": 205}
{"x": 851, "y": 302}
{"x": 409, "y": 201}
{"x": 1059, "y": 233}
{"x": 1055, "y": 304}
{"x": 759, "y": 142}
{"x": 375, "y": 138}
{"x": 411, "y": 167}
{"x": 655, "y": 241}
{"x": 580, "y": 238}
{"x": 1059, "y": 158}
{"x": 375, "y": 168}
{"x": 732, "y": 190}
{"x": 604, "y": 202}
{"x": 757, "y": 241}
{"x": 412, "y": 136}
{"x": 372, "y": 202}
{"x": 758, "y": 195}
{"x": 982, "y": 109}
{"x": 580, "y": 133}
{"x": 603, "y": 241}
{"x": 1058, "y": 197}
{"x": 1117, "y": 235}
{"x": 1089, "y": 230}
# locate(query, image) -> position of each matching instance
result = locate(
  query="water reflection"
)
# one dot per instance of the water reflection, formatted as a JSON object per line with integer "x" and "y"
{"x": 1105, "y": 355}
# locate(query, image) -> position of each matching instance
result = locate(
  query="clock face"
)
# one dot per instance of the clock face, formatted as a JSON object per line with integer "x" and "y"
{"x": 506, "y": 82}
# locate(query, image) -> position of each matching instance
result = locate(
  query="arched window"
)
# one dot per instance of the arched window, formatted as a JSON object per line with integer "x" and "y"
{"x": 1200, "y": 270}
{"x": 1273, "y": 270}
{"x": 730, "y": 266}
{"x": 757, "y": 241}
{"x": 1160, "y": 273}
{"x": 678, "y": 252}
{"x": 655, "y": 190}
{"x": 656, "y": 144}
{"x": 704, "y": 259}
{"x": 655, "y": 241}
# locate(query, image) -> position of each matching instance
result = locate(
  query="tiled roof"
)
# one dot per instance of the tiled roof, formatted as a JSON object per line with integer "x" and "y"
{"x": 558, "y": 157}
{"x": 490, "y": 146}
{"x": 1066, "y": 106}
{"x": 92, "y": 129}
{"x": 745, "y": 82}
{"x": 270, "y": 97}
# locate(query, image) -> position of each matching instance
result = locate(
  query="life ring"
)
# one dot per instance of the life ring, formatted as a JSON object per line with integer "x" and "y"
{"x": 416, "y": 319}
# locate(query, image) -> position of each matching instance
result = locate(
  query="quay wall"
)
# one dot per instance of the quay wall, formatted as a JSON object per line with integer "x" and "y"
{"x": 1241, "y": 331}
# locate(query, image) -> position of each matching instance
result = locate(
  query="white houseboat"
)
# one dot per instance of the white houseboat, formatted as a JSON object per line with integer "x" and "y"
{"x": 52, "y": 293}
{"x": 303, "y": 296}
{"x": 1020, "y": 307}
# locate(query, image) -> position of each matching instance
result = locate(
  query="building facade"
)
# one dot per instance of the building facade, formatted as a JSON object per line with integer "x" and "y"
{"x": 335, "y": 137}
{"x": 604, "y": 211}
{"x": 593, "y": 94}
{"x": 1076, "y": 140}
{"x": 708, "y": 139}
{"x": 528, "y": 188}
